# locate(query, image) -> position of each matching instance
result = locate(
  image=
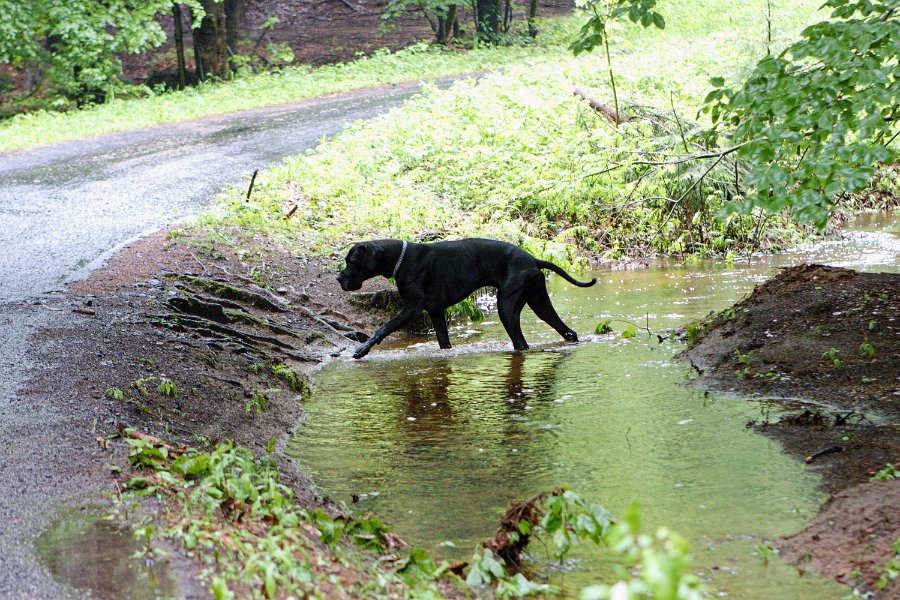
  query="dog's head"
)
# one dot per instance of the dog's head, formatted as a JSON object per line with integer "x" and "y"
{"x": 362, "y": 262}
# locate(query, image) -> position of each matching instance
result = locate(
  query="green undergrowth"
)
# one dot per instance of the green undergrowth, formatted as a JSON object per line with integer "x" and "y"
{"x": 227, "y": 510}
{"x": 516, "y": 156}
{"x": 418, "y": 62}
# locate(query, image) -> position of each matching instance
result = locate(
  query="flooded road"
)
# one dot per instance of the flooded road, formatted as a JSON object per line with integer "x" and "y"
{"x": 63, "y": 209}
{"x": 438, "y": 443}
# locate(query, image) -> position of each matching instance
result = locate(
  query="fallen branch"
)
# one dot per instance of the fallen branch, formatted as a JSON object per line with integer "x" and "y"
{"x": 604, "y": 109}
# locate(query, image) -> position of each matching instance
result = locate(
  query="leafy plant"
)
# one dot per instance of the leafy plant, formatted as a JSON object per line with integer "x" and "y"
{"x": 816, "y": 120}
{"x": 692, "y": 332}
{"x": 115, "y": 393}
{"x": 594, "y": 31}
{"x": 867, "y": 348}
{"x": 295, "y": 381}
{"x": 603, "y": 328}
{"x": 259, "y": 401}
{"x": 887, "y": 473}
{"x": 831, "y": 355}
{"x": 167, "y": 387}
{"x": 467, "y": 308}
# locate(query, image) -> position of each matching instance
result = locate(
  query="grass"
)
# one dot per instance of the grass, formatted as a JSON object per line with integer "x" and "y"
{"x": 515, "y": 156}
{"x": 418, "y": 62}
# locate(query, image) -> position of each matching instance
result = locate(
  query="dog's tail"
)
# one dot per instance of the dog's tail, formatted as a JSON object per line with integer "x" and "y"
{"x": 559, "y": 271}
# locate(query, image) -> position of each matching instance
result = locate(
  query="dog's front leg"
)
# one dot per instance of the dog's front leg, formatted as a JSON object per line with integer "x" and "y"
{"x": 385, "y": 330}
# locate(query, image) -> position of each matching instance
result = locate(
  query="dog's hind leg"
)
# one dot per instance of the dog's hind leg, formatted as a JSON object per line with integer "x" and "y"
{"x": 439, "y": 321}
{"x": 509, "y": 307}
{"x": 540, "y": 303}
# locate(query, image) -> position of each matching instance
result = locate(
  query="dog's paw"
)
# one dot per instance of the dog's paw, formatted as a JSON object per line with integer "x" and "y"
{"x": 360, "y": 352}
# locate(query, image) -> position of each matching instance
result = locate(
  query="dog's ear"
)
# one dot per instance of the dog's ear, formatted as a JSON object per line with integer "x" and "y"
{"x": 371, "y": 253}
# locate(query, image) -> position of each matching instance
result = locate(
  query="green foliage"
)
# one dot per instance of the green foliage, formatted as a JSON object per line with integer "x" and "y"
{"x": 248, "y": 90}
{"x": 603, "y": 328}
{"x": 601, "y": 13}
{"x": 466, "y": 308}
{"x": 259, "y": 401}
{"x": 630, "y": 331}
{"x": 867, "y": 348}
{"x": 661, "y": 559}
{"x": 816, "y": 120}
{"x": 514, "y": 156}
{"x": 167, "y": 387}
{"x": 692, "y": 333}
{"x": 295, "y": 381}
{"x": 76, "y": 44}
{"x": 887, "y": 473}
{"x": 891, "y": 569}
{"x": 115, "y": 393}
{"x": 568, "y": 518}
{"x": 831, "y": 355}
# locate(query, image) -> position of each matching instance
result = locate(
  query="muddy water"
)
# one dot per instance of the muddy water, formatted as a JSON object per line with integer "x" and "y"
{"x": 438, "y": 443}
{"x": 96, "y": 556}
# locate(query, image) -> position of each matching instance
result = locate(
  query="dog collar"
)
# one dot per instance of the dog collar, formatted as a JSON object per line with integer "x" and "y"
{"x": 399, "y": 260}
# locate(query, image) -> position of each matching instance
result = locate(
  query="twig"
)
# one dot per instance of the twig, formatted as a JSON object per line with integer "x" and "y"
{"x": 252, "y": 181}
{"x": 202, "y": 266}
{"x": 678, "y": 121}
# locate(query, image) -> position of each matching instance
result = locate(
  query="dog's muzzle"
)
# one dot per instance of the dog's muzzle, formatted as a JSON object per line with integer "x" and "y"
{"x": 347, "y": 285}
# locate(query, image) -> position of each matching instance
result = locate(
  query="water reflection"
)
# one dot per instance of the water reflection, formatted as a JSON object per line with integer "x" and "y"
{"x": 90, "y": 553}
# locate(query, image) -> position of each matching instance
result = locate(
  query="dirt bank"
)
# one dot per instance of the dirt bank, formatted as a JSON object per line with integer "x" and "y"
{"x": 211, "y": 321}
{"x": 826, "y": 342}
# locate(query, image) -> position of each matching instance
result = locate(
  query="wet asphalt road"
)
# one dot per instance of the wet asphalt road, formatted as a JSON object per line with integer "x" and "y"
{"x": 63, "y": 210}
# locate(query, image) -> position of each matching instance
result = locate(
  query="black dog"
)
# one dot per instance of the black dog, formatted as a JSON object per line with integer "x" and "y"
{"x": 433, "y": 277}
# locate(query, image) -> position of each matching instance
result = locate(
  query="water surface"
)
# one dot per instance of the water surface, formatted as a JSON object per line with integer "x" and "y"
{"x": 439, "y": 442}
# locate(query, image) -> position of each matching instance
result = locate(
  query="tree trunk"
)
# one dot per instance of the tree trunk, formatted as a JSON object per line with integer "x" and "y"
{"x": 448, "y": 24}
{"x": 235, "y": 17}
{"x": 209, "y": 42}
{"x": 532, "y": 13}
{"x": 488, "y": 16}
{"x": 179, "y": 44}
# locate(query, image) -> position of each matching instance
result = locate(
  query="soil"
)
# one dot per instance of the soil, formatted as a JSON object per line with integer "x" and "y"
{"x": 825, "y": 343}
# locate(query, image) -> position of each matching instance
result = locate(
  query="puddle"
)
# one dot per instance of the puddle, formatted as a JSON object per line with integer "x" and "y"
{"x": 96, "y": 556}
{"x": 437, "y": 443}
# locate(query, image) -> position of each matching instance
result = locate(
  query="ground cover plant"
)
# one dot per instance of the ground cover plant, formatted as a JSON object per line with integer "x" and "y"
{"x": 516, "y": 156}
{"x": 227, "y": 509}
{"x": 254, "y": 90}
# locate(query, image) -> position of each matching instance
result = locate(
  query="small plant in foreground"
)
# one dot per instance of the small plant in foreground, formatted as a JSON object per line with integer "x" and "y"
{"x": 603, "y": 328}
{"x": 887, "y": 473}
{"x": 764, "y": 550}
{"x": 832, "y": 356}
{"x": 295, "y": 381}
{"x": 891, "y": 569}
{"x": 115, "y": 393}
{"x": 743, "y": 359}
{"x": 228, "y": 509}
{"x": 259, "y": 401}
{"x": 167, "y": 388}
{"x": 692, "y": 333}
{"x": 867, "y": 349}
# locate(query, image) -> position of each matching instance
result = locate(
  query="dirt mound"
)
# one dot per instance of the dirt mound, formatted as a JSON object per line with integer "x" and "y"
{"x": 852, "y": 550}
{"x": 824, "y": 334}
